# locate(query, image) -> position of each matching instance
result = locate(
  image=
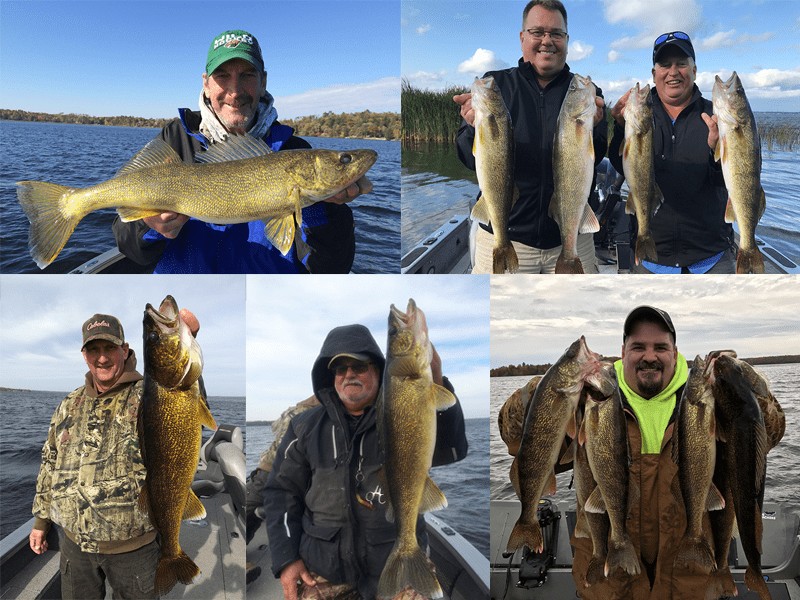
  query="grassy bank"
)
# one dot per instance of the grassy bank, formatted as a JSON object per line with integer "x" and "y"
{"x": 429, "y": 116}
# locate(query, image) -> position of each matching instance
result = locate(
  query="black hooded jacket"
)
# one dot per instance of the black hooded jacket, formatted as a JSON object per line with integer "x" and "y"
{"x": 326, "y": 460}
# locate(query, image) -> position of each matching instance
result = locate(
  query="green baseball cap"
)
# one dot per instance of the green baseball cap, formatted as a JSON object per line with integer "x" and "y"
{"x": 103, "y": 327}
{"x": 234, "y": 44}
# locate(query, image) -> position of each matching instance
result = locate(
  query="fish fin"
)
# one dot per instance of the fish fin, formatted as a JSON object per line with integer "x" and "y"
{"x": 403, "y": 366}
{"x": 550, "y": 488}
{"x": 625, "y": 149}
{"x": 513, "y": 475}
{"x": 280, "y": 233}
{"x": 408, "y": 569}
{"x": 504, "y": 258}
{"x": 595, "y": 573}
{"x": 432, "y": 497}
{"x": 236, "y": 147}
{"x": 131, "y": 213}
{"x": 622, "y": 556}
{"x": 581, "y": 525}
{"x": 572, "y": 427}
{"x": 156, "y": 152}
{"x": 730, "y": 214}
{"x": 551, "y": 209}
{"x": 569, "y": 453}
{"x": 388, "y": 507}
{"x": 442, "y": 397}
{"x": 144, "y": 499}
{"x": 630, "y": 204}
{"x": 582, "y": 433}
{"x": 645, "y": 248}
{"x": 48, "y": 209}
{"x": 525, "y": 534}
{"x": 205, "y": 415}
{"x": 171, "y": 570}
{"x": 595, "y": 502}
{"x": 696, "y": 554}
{"x": 749, "y": 261}
{"x": 194, "y": 509}
{"x": 762, "y": 203}
{"x": 658, "y": 196}
{"x": 480, "y": 212}
{"x": 589, "y": 223}
{"x": 755, "y": 582}
{"x": 714, "y": 499}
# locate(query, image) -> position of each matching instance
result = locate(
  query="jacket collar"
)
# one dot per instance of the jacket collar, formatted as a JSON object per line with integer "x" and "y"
{"x": 529, "y": 72}
{"x": 129, "y": 375}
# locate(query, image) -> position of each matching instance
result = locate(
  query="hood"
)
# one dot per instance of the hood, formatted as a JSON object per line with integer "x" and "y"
{"x": 347, "y": 338}
{"x": 129, "y": 374}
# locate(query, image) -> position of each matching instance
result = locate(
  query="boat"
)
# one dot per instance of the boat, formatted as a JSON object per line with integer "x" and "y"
{"x": 216, "y": 544}
{"x": 448, "y": 248}
{"x": 462, "y": 570}
{"x": 549, "y": 574}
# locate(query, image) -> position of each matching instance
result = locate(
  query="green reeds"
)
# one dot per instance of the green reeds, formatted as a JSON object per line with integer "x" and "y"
{"x": 779, "y": 137}
{"x": 429, "y": 116}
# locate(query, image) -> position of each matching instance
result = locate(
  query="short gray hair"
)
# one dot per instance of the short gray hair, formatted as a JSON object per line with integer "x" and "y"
{"x": 549, "y": 5}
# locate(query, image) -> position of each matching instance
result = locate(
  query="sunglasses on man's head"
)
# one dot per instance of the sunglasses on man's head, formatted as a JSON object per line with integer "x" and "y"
{"x": 665, "y": 37}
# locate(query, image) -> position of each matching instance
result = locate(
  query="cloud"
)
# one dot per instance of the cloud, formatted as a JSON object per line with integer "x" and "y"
{"x": 482, "y": 61}
{"x": 423, "y": 29}
{"x": 427, "y": 79}
{"x": 613, "y": 56}
{"x": 652, "y": 19}
{"x": 578, "y": 51}
{"x": 765, "y": 83}
{"x": 723, "y": 39}
{"x": 381, "y": 95}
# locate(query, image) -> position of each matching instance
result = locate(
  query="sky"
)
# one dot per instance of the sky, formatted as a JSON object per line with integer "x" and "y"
{"x": 446, "y": 43}
{"x": 287, "y": 324}
{"x": 146, "y": 59}
{"x": 534, "y": 320}
{"x": 41, "y": 318}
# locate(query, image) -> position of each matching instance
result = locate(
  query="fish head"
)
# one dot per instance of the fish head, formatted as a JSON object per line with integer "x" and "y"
{"x": 172, "y": 356}
{"x": 729, "y": 99}
{"x": 639, "y": 108}
{"x": 579, "y": 366}
{"x": 320, "y": 174}
{"x": 486, "y": 97}
{"x": 408, "y": 337}
{"x": 579, "y": 102}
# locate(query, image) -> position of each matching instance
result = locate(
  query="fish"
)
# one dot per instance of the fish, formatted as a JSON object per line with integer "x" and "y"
{"x": 644, "y": 196}
{"x": 746, "y": 443}
{"x": 493, "y": 148}
{"x": 573, "y": 171}
{"x": 739, "y": 149}
{"x": 695, "y": 453}
{"x": 171, "y": 417}
{"x": 406, "y": 416}
{"x": 511, "y": 417}
{"x": 550, "y": 416}
{"x": 235, "y": 181}
{"x": 604, "y": 433}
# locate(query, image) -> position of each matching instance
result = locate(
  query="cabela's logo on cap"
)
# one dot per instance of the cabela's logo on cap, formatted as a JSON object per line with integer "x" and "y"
{"x": 230, "y": 40}
{"x": 94, "y": 324}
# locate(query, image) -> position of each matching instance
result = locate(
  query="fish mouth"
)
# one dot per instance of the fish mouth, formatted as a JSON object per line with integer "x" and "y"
{"x": 166, "y": 317}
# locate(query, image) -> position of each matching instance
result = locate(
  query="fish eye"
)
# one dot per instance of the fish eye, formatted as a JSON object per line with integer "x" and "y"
{"x": 152, "y": 336}
{"x": 345, "y": 159}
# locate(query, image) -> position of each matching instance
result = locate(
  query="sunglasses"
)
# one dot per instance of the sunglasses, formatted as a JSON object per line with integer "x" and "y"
{"x": 358, "y": 369}
{"x": 665, "y": 37}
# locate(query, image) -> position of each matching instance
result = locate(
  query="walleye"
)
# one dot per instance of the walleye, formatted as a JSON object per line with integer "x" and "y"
{"x": 644, "y": 197}
{"x": 604, "y": 432}
{"x": 494, "y": 165}
{"x": 573, "y": 171}
{"x": 236, "y": 181}
{"x": 550, "y": 415}
{"x": 739, "y": 149}
{"x": 407, "y": 428}
{"x": 695, "y": 453}
{"x": 172, "y": 414}
{"x": 742, "y": 428}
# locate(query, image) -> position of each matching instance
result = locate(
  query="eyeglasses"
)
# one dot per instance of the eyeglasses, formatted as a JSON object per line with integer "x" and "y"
{"x": 665, "y": 37}
{"x": 556, "y": 35}
{"x": 358, "y": 369}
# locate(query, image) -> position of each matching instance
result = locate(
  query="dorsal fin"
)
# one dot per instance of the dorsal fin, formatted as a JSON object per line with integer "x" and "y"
{"x": 236, "y": 147}
{"x": 156, "y": 152}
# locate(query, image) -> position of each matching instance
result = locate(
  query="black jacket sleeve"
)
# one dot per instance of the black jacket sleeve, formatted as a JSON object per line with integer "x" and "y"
{"x": 451, "y": 438}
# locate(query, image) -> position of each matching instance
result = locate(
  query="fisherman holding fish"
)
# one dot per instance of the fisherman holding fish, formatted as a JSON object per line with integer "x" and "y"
{"x": 92, "y": 472}
{"x": 234, "y": 100}
{"x": 533, "y": 93}
{"x": 326, "y": 495}
{"x": 688, "y": 226}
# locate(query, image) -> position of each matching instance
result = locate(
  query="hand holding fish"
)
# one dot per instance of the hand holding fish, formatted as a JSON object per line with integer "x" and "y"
{"x": 600, "y": 114}
{"x": 436, "y": 367}
{"x": 168, "y": 224}
{"x": 467, "y": 112}
{"x": 291, "y": 574}
{"x": 713, "y": 130}
{"x": 618, "y": 110}
{"x": 362, "y": 186}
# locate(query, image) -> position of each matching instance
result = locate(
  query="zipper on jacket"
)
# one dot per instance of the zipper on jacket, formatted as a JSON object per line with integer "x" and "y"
{"x": 542, "y": 169}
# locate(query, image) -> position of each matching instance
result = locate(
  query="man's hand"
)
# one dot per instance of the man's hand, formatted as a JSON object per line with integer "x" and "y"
{"x": 467, "y": 112}
{"x": 618, "y": 110}
{"x": 37, "y": 541}
{"x": 167, "y": 224}
{"x": 599, "y": 114}
{"x": 713, "y": 130}
{"x": 362, "y": 186}
{"x": 290, "y": 575}
{"x": 436, "y": 367}
{"x": 191, "y": 321}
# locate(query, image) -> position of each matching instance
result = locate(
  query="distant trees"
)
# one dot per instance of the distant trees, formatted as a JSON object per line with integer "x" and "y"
{"x": 122, "y": 121}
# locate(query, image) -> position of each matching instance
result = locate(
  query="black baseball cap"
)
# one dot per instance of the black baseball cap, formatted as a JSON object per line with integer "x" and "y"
{"x": 674, "y": 38}
{"x": 650, "y": 314}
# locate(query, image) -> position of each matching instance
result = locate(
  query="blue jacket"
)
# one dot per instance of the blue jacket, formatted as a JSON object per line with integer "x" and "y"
{"x": 239, "y": 248}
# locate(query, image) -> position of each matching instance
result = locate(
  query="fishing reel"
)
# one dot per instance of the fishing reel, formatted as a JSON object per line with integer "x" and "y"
{"x": 534, "y": 565}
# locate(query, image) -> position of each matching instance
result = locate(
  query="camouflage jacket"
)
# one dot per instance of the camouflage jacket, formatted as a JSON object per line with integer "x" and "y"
{"x": 92, "y": 469}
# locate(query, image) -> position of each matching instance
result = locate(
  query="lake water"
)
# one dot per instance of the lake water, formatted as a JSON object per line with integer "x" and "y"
{"x": 782, "y": 484}
{"x": 26, "y": 417}
{"x": 83, "y": 155}
{"x": 465, "y": 483}
{"x": 436, "y": 186}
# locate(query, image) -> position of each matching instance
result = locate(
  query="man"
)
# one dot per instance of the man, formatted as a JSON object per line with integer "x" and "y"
{"x": 91, "y": 475}
{"x": 689, "y": 228}
{"x": 235, "y": 100}
{"x": 533, "y": 92}
{"x": 326, "y": 523}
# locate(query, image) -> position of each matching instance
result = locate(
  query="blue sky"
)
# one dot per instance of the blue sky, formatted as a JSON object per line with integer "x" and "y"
{"x": 287, "y": 323}
{"x": 146, "y": 58}
{"x": 449, "y": 43}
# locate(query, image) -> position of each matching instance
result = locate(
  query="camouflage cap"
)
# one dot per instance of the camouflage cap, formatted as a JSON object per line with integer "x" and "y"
{"x": 103, "y": 327}
{"x": 234, "y": 44}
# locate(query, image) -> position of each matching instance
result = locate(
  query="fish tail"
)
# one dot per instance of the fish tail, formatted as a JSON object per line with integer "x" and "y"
{"x": 696, "y": 552}
{"x": 749, "y": 261}
{"x": 569, "y": 266}
{"x": 504, "y": 258}
{"x": 525, "y": 534}
{"x": 622, "y": 555}
{"x": 47, "y": 207}
{"x": 596, "y": 571}
{"x": 645, "y": 249}
{"x": 408, "y": 569}
{"x": 171, "y": 570}
{"x": 754, "y": 581}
